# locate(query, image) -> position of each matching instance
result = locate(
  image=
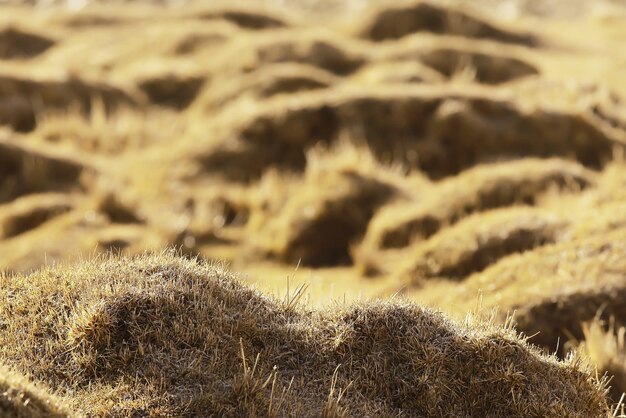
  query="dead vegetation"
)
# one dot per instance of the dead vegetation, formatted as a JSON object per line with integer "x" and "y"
{"x": 604, "y": 344}
{"x": 473, "y": 244}
{"x": 30, "y": 212}
{"x": 129, "y": 336}
{"x": 480, "y": 189}
{"x": 170, "y": 90}
{"x": 19, "y": 44}
{"x": 447, "y": 153}
{"x": 27, "y": 169}
{"x": 21, "y": 99}
{"x": 552, "y": 289}
{"x": 393, "y": 22}
{"x": 458, "y": 58}
{"x": 21, "y": 399}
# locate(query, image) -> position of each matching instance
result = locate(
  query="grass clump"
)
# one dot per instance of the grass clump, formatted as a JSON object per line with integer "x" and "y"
{"x": 317, "y": 225}
{"x": 393, "y": 22}
{"x": 19, "y": 398}
{"x": 604, "y": 345}
{"x": 473, "y": 244}
{"x": 161, "y": 335}
{"x": 482, "y": 188}
{"x": 552, "y": 289}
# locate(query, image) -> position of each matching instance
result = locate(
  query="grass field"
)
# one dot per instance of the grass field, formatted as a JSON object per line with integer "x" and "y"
{"x": 312, "y": 208}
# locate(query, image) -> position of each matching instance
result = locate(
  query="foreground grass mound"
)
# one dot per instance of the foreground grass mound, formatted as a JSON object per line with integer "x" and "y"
{"x": 158, "y": 335}
{"x": 20, "y": 398}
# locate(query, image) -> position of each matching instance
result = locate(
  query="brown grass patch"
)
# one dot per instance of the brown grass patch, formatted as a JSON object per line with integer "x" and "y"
{"x": 23, "y": 98}
{"x": 27, "y": 213}
{"x": 479, "y": 189}
{"x": 552, "y": 289}
{"x": 395, "y": 21}
{"x": 160, "y": 335}
{"x": 17, "y": 43}
{"x": 27, "y": 169}
{"x": 19, "y": 398}
{"x": 474, "y": 244}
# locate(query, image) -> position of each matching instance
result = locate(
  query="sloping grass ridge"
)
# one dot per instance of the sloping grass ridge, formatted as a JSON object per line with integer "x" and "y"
{"x": 160, "y": 335}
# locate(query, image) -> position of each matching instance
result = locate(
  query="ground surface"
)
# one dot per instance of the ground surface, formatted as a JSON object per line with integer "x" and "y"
{"x": 457, "y": 155}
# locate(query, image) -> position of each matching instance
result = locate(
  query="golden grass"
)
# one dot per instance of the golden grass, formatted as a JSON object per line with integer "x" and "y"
{"x": 421, "y": 148}
{"x": 19, "y": 398}
{"x": 606, "y": 349}
{"x": 162, "y": 335}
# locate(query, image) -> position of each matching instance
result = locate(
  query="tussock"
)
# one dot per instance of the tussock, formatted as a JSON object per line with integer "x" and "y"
{"x": 198, "y": 41}
{"x": 27, "y": 213}
{"x": 16, "y": 43}
{"x": 21, "y": 399}
{"x": 475, "y": 243}
{"x": 319, "y": 48}
{"x": 22, "y": 97}
{"x": 27, "y": 169}
{"x": 491, "y": 69}
{"x": 403, "y": 71}
{"x": 317, "y": 226}
{"x": 441, "y": 131}
{"x": 118, "y": 211}
{"x": 161, "y": 335}
{"x": 108, "y": 133}
{"x": 266, "y": 82}
{"x": 482, "y": 188}
{"x": 171, "y": 90}
{"x": 244, "y": 17}
{"x": 477, "y": 61}
{"x": 552, "y": 289}
{"x": 395, "y": 21}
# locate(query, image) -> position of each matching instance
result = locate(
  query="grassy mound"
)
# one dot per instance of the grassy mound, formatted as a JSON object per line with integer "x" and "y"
{"x": 319, "y": 48}
{"x": 27, "y": 169}
{"x": 171, "y": 90}
{"x": 320, "y": 216}
{"x": 160, "y": 335}
{"x": 396, "y": 21}
{"x": 552, "y": 289}
{"x": 473, "y": 244}
{"x": 439, "y": 130}
{"x": 317, "y": 228}
{"x": 32, "y": 211}
{"x": 21, "y": 97}
{"x": 244, "y": 17}
{"x": 476, "y": 61}
{"x": 268, "y": 81}
{"x": 16, "y": 43}
{"x": 401, "y": 71}
{"x": 482, "y": 188}
{"x": 21, "y": 399}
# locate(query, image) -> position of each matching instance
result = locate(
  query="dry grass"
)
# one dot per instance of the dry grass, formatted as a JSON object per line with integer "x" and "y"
{"x": 162, "y": 335}
{"x": 472, "y": 245}
{"x": 19, "y": 398}
{"x": 552, "y": 289}
{"x": 606, "y": 349}
{"x": 446, "y": 152}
